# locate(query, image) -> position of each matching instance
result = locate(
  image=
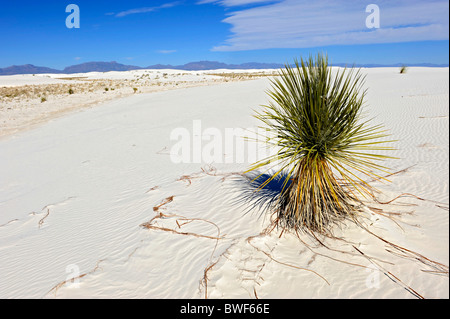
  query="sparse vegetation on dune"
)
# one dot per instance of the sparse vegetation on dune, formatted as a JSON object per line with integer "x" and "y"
{"x": 9, "y": 94}
{"x": 244, "y": 75}
{"x": 21, "y": 105}
{"x": 403, "y": 69}
{"x": 83, "y": 85}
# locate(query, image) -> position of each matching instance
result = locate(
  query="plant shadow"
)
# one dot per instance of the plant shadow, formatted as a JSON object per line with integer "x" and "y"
{"x": 260, "y": 191}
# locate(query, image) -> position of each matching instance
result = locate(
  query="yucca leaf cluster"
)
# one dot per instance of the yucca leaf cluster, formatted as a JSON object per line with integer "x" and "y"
{"x": 325, "y": 147}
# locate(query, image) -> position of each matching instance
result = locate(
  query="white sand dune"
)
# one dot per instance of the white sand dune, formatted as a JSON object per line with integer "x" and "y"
{"x": 75, "y": 192}
{"x": 37, "y": 79}
{"x": 28, "y": 79}
{"x": 29, "y": 100}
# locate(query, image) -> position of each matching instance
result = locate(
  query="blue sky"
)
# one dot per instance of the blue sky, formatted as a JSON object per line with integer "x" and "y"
{"x": 174, "y": 32}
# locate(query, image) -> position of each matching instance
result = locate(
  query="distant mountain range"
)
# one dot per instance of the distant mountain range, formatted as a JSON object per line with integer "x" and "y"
{"x": 192, "y": 66}
{"x": 26, "y": 69}
{"x": 114, "y": 66}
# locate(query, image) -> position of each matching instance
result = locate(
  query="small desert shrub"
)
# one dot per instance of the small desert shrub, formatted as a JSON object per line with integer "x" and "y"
{"x": 106, "y": 89}
{"x": 71, "y": 91}
{"x": 325, "y": 147}
{"x": 43, "y": 99}
{"x": 403, "y": 69}
{"x": 135, "y": 90}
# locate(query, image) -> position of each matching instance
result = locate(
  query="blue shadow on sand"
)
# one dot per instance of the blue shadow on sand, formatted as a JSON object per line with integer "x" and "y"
{"x": 255, "y": 195}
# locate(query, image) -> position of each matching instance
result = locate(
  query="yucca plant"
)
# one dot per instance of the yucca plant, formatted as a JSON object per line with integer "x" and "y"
{"x": 403, "y": 69}
{"x": 326, "y": 149}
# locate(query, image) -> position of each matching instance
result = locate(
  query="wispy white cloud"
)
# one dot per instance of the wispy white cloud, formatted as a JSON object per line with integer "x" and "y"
{"x": 304, "y": 23}
{"x": 166, "y": 51}
{"x": 147, "y": 9}
{"x": 233, "y": 3}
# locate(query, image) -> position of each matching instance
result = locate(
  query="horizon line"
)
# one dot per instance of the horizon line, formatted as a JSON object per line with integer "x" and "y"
{"x": 229, "y": 64}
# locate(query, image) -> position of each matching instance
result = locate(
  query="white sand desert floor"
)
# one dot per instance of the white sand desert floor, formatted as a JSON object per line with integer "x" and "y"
{"x": 77, "y": 190}
{"x": 30, "y": 100}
